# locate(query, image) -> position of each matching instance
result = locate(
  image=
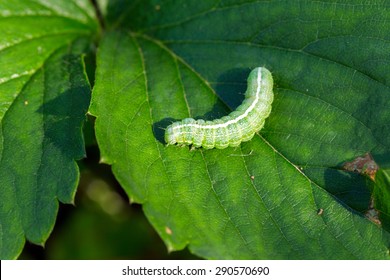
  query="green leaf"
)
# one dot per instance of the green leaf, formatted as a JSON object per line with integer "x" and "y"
{"x": 283, "y": 194}
{"x": 44, "y": 96}
{"x": 382, "y": 196}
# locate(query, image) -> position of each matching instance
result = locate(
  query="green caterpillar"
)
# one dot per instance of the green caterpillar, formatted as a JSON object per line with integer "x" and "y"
{"x": 239, "y": 126}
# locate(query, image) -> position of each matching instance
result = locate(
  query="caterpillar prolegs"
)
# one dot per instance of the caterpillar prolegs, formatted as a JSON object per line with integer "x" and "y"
{"x": 239, "y": 126}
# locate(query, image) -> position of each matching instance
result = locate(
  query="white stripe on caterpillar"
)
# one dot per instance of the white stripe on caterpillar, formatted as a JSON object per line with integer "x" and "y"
{"x": 239, "y": 126}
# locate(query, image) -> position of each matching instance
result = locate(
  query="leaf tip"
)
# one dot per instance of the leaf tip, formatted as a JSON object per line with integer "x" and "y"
{"x": 170, "y": 248}
{"x": 104, "y": 160}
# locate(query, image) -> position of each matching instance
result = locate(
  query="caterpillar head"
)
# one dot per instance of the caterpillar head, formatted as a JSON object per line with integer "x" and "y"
{"x": 170, "y": 136}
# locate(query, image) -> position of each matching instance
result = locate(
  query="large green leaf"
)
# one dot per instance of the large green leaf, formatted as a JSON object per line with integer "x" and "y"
{"x": 283, "y": 194}
{"x": 44, "y": 96}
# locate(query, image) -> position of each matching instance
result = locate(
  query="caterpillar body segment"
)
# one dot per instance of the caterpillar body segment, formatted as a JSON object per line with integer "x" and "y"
{"x": 229, "y": 131}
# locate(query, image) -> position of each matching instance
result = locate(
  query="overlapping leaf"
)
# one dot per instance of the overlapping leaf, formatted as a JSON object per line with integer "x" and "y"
{"x": 44, "y": 95}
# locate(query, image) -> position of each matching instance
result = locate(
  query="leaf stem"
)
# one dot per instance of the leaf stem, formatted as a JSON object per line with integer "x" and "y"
{"x": 99, "y": 14}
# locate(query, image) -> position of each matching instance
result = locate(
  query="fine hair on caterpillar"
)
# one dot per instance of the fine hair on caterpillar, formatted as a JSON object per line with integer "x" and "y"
{"x": 229, "y": 131}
